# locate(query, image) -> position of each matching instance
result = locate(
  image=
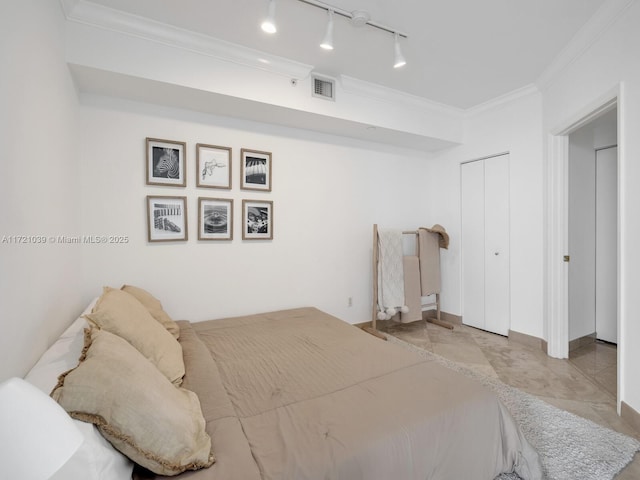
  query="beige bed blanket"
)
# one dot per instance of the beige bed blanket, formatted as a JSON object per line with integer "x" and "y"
{"x": 299, "y": 394}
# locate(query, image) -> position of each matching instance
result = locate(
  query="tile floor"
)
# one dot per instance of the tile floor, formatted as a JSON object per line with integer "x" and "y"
{"x": 584, "y": 385}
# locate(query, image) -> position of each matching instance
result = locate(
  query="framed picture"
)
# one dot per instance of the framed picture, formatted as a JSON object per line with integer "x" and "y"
{"x": 166, "y": 218}
{"x": 215, "y": 219}
{"x": 257, "y": 219}
{"x": 165, "y": 162}
{"x": 213, "y": 166}
{"x": 255, "y": 169}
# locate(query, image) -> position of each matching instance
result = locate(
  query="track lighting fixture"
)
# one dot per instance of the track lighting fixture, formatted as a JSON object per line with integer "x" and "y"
{"x": 269, "y": 24}
{"x": 399, "y": 60}
{"x": 357, "y": 18}
{"x": 327, "y": 42}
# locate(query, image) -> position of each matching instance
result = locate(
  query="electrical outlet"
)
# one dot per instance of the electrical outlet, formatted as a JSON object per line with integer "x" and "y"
{"x": 350, "y": 302}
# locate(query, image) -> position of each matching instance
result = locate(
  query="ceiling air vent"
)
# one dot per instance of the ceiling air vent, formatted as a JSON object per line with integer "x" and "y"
{"x": 324, "y": 88}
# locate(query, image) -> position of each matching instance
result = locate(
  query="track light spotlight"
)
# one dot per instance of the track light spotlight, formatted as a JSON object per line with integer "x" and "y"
{"x": 269, "y": 24}
{"x": 399, "y": 60}
{"x": 327, "y": 42}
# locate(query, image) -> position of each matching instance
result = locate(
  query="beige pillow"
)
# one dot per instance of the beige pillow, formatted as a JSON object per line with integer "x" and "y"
{"x": 120, "y": 313}
{"x": 154, "y": 423}
{"x": 153, "y": 305}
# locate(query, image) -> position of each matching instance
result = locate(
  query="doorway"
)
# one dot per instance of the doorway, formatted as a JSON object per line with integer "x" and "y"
{"x": 592, "y": 226}
{"x": 592, "y": 247}
{"x": 557, "y": 259}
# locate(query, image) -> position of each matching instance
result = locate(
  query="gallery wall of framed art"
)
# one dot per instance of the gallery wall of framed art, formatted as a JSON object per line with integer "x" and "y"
{"x": 167, "y": 163}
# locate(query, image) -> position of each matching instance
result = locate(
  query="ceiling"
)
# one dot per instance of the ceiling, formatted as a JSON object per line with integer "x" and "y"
{"x": 460, "y": 53}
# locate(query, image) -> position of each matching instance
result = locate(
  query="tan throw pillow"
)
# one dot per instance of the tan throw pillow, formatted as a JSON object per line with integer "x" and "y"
{"x": 153, "y": 305}
{"x": 120, "y": 313}
{"x": 154, "y": 423}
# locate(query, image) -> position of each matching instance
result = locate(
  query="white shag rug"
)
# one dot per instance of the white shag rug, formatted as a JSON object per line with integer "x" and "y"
{"x": 570, "y": 447}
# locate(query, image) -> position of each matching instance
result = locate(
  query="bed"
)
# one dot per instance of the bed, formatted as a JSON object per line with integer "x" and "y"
{"x": 299, "y": 394}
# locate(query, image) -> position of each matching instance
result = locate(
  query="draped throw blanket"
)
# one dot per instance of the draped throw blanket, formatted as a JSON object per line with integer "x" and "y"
{"x": 390, "y": 274}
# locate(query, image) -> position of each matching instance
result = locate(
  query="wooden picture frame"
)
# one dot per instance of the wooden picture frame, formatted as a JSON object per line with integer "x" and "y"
{"x": 255, "y": 170}
{"x": 215, "y": 218}
{"x": 166, "y": 162}
{"x": 166, "y": 218}
{"x": 213, "y": 166}
{"x": 257, "y": 220}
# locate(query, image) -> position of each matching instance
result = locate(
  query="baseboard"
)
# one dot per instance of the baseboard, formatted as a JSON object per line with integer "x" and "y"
{"x": 582, "y": 341}
{"x": 528, "y": 340}
{"x": 447, "y": 317}
{"x": 630, "y": 416}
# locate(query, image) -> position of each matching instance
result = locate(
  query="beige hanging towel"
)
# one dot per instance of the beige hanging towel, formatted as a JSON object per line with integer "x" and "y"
{"x": 412, "y": 294}
{"x": 429, "y": 248}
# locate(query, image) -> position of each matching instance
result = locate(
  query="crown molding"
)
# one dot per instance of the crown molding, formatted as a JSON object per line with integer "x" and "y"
{"x": 590, "y": 32}
{"x": 502, "y": 99}
{"x": 363, "y": 88}
{"x": 89, "y": 13}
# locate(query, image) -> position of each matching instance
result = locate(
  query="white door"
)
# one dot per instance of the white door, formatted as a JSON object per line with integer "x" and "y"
{"x": 485, "y": 244}
{"x": 472, "y": 243}
{"x": 607, "y": 244}
{"x": 496, "y": 231}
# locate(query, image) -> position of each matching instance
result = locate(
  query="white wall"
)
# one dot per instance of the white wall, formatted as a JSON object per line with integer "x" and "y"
{"x": 513, "y": 127}
{"x": 609, "y": 62}
{"x": 327, "y": 193}
{"x": 39, "y": 291}
{"x": 348, "y": 186}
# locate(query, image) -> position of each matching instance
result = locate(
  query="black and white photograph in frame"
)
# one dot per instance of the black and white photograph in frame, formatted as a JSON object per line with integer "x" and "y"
{"x": 166, "y": 218}
{"x": 257, "y": 219}
{"x": 166, "y": 162}
{"x": 215, "y": 218}
{"x": 255, "y": 169}
{"x": 213, "y": 164}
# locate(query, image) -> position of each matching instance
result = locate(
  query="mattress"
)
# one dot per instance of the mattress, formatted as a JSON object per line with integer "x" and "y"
{"x": 299, "y": 394}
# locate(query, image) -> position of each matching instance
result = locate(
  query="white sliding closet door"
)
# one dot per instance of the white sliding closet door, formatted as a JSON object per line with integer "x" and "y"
{"x": 472, "y": 242}
{"x": 496, "y": 234}
{"x": 485, "y": 244}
